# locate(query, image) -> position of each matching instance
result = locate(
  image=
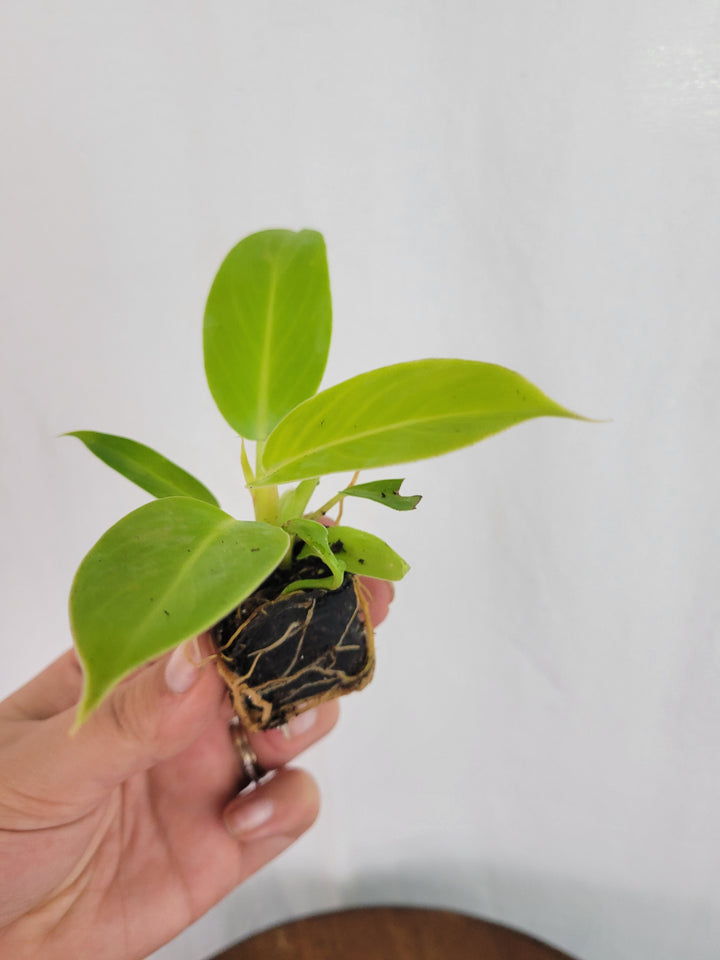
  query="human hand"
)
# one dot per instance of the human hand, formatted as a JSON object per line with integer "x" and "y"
{"x": 117, "y": 837}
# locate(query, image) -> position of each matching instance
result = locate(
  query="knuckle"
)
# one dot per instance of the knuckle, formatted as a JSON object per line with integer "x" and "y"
{"x": 130, "y": 717}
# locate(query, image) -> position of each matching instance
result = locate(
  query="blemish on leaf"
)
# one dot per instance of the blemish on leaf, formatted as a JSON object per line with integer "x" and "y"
{"x": 166, "y": 612}
{"x": 254, "y": 549}
{"x": 337, "y": 547}
{"x": 360, "y": 560}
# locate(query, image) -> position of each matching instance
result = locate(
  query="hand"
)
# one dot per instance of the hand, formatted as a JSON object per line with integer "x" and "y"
{"x": 117, "y": 837}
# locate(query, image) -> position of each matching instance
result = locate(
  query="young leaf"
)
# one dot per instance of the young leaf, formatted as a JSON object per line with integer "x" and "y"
{"x": 293, "y": 501}
{"x": 386, "y": 492}
{"x": 163, "y": 573}
{"x": 404, "y": 412}
{"x": 267, "y": 328}
{"x": 144, "y": 466}
{"x": 361, "y": 552}
{"x": 315, "y": 536}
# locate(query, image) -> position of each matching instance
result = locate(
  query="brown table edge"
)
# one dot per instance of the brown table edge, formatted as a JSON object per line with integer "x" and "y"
{"x": 356, "y": 907}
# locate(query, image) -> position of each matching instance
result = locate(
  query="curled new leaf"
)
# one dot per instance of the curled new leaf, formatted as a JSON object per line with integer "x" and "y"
{"x": 293, "y": 502}
{"x": 315, "y": 536}
{"x": 165, "y": 572}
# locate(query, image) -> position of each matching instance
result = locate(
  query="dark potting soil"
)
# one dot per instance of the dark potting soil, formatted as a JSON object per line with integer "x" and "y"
{"x": 280, "y": 655}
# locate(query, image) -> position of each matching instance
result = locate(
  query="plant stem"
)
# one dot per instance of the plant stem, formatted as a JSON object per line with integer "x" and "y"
{"x": 265, "y": 499}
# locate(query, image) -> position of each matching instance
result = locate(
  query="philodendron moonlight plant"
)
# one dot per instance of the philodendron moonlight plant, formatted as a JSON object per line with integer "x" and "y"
{"x": 281, "y": 594}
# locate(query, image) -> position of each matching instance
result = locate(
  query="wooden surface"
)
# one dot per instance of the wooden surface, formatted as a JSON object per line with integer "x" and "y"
{"x": 390, "y": 933}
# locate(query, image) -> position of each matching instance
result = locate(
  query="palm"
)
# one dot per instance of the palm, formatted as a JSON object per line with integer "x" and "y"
{"x": 117, "y": 870}
{"x": 166, "y": 857}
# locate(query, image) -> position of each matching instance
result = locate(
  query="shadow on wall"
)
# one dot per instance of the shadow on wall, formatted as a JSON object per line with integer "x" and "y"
{"x": 588, "y": 922}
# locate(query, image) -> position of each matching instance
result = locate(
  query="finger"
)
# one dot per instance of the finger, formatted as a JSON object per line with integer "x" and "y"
{"x": 154, "y": 715}
{"x": 270, "y": 818}
{"x": 215, "y": 846}
{"x": 212, "y": 766}
{"x": 274, "y": 748}
{"x": 55, "y": 689}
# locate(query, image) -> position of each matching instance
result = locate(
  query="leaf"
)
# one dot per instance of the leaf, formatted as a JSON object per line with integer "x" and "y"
{"x": 267, "y": 328}
{"x": 386, "y": 492}
{"x": 163, "y": 573}
{"x": 315, "y": 536}
{"x": 293, "y": 501}
{"x": 144, "y": 466}
{"x": 364, "y": 553}
{"x": 404, "y": 412}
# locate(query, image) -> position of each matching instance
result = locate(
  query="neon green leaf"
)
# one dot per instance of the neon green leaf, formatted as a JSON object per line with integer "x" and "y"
{"x": 386, "y": 492}
{"x": 364, "y": 553}
{"x": 267, "y": 328}
{"x": 143, "y": 465}
{"x": 400, "y": 413}
{"x": 162, "y": 574}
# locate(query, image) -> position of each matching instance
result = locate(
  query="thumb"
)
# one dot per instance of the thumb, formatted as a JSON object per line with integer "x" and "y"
{"x": 153, "y": 715}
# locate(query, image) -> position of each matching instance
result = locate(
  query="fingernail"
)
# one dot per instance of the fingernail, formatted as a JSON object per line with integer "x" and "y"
{"x": 247, "y": 816}
{"x": 182, "y": 669}
{"x": 301, "y": 724}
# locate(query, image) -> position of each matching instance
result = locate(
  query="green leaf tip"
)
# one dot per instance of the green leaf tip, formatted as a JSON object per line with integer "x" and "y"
{"x": 144, "y": 466}
{"x": 166, "y": 572}
{"x": 267, "y": 328}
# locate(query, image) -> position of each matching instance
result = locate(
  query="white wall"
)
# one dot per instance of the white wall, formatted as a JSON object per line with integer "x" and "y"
{"x": 530, "y": 183}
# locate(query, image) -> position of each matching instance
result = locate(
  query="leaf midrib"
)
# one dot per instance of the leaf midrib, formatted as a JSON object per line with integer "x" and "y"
{"x": 376, "y": 432}
{"x": 264, "y": 379}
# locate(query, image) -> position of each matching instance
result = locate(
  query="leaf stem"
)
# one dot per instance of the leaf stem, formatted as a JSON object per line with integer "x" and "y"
{"x": 245, "y": 464}
{"x": 338, "y": 498}
{"x": 321, "y": 511}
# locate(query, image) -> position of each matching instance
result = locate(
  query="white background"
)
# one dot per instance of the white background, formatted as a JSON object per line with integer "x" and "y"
{"x": 530, "y": 183}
